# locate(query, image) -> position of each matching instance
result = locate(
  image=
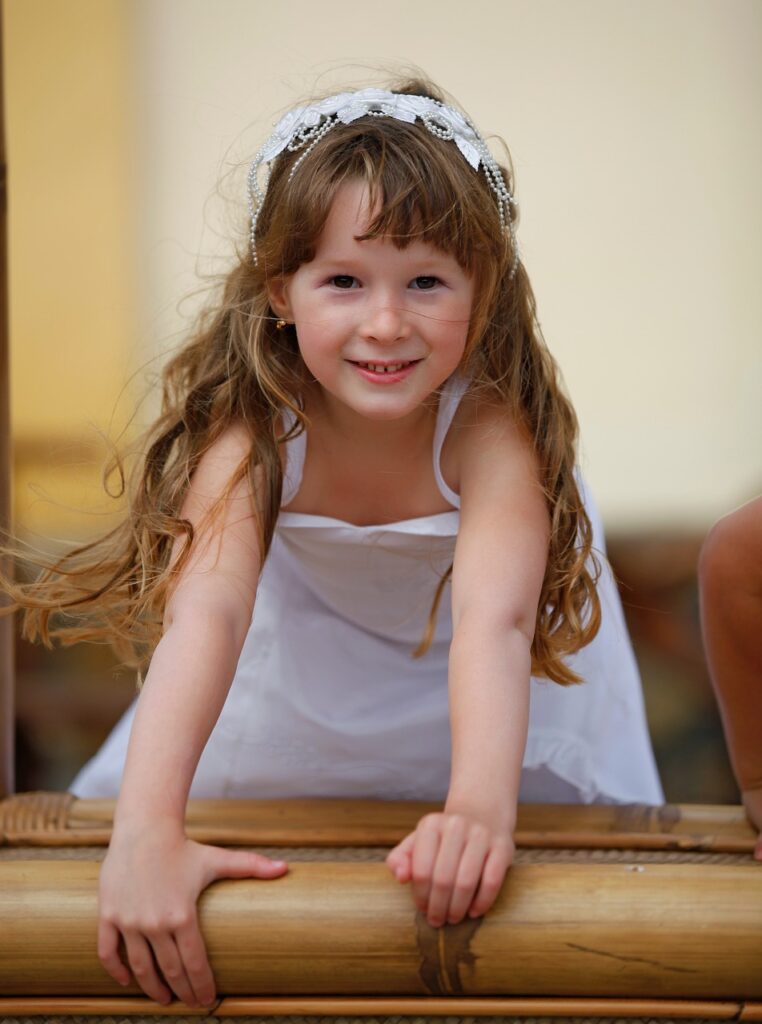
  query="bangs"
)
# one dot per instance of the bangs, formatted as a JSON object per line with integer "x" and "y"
{"x": 420, "y": 199}
{"x": 421, "y": 186}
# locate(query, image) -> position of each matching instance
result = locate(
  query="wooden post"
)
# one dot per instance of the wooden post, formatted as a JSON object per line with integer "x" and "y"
{"x": 7, "y": 716}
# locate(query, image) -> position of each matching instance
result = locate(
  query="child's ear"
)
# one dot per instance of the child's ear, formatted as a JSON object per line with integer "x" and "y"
{"x": 277, "y": 293}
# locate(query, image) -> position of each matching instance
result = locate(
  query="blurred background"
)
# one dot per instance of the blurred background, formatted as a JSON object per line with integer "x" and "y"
{"x": 636, "y": 138}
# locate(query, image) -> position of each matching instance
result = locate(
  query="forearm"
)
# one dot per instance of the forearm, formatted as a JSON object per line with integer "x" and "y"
{"x": 738, "y": 688}
{"x": 730, "y": 575}
{"x": 489, "y": 712}
{"x": 182, "y": 697}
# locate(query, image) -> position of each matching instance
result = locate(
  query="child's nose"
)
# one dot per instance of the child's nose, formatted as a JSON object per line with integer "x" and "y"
{"x": 385, "y": 323}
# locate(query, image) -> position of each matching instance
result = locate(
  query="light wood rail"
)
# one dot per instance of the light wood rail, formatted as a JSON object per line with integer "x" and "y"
{"x": 50, "y": 819}
{"x": 627, "y": 930}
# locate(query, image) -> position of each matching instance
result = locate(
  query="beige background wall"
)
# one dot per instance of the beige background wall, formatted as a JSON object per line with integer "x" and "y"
{"x": 634, "y": 130}
{"x": 69, "y": 97}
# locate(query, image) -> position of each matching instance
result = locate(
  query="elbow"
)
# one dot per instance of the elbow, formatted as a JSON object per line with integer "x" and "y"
{"x": 192, "y": 618}
{"x": 501, "y": 624}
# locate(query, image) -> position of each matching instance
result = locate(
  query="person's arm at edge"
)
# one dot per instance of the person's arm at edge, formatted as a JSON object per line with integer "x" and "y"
{"x": 730, "y": 583}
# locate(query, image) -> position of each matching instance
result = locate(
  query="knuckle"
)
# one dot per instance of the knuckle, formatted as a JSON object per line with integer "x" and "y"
{"x": 420, "y": 877}
{"x": 440, "y": 884}
{"x": 178, "y": 920}
{"x": 431, "y": 820}
{"x": 454, "y": 823}
{"x": 505, "y": 845}
{"x": 494, "y": 879}
{"x": 465, "y": 885}
{"x": 480, "y": 832}
{"x": 489, "y": 889}
{"x": 106, "y": 951}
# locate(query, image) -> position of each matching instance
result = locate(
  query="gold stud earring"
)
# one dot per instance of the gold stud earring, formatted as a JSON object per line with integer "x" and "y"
{"x": 280, "y": 324}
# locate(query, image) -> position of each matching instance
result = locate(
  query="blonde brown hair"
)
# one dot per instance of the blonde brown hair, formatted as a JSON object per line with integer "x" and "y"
{"x": 238, "y": 367}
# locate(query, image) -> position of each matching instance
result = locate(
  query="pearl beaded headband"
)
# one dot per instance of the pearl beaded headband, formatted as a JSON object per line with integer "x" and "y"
{"x": 303, "y": 127}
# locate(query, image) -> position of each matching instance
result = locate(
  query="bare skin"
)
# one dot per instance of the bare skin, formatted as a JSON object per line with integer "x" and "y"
{"x": 730, "y": 581}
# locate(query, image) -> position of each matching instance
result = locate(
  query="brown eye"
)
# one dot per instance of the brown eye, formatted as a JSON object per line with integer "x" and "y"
{"x": 425, "y": 283}
{"x": 342, "y": 281}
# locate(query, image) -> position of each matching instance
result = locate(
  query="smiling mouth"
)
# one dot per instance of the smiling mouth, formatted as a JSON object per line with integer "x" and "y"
{"x": 385, "y": 367}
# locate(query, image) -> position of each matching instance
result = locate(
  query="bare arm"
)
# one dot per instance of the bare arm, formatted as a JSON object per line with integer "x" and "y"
{"x": 730, "y": 578}
{"x": 499, "y": 566}
{"x": 152, "y": 874}
{"x": 205, "y": 624}
{"x": 457, "y": 860}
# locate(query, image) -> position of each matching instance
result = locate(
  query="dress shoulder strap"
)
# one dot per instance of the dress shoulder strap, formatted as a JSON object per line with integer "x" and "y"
{"x": 452, "y": 391}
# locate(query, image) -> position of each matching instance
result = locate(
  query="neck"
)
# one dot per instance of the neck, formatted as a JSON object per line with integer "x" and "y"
{"x": 379, "y": 440}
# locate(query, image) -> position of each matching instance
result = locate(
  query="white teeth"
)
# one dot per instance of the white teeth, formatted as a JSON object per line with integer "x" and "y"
{"x": 376, "y": 368}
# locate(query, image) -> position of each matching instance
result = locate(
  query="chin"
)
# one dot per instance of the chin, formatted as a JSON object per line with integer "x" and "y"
{"x": 381, "y": 411}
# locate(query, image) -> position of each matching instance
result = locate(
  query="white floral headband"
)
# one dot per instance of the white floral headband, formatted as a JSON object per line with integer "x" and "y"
{"x": 304, "y": 127}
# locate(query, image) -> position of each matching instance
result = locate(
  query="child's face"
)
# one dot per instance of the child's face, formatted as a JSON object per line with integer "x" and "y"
{"x": 359, "y": 303}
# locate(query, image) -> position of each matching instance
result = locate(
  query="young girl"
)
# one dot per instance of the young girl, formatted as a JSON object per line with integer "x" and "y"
{"x": 369, "y": 435}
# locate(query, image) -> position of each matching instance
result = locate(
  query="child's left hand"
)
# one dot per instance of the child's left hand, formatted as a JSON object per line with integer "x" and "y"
{"x": 457, "y": 864}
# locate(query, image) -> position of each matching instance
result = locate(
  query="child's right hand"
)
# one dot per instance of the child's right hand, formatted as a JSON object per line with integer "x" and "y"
{"x": 149, "y": 884}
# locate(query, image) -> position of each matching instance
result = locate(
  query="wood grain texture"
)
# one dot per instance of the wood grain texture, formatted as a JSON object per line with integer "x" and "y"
{"x": 381, "y": 1006}
{"x": 598, "y": 930}
{"x": 49, "y": 819}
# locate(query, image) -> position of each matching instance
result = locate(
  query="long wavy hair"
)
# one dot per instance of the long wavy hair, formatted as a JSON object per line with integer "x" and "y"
{"x": 238, "y": 368}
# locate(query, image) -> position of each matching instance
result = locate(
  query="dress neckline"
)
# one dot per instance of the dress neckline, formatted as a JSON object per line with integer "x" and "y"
{"x": 453, "y": 390}
{"x": 310, "y": 518}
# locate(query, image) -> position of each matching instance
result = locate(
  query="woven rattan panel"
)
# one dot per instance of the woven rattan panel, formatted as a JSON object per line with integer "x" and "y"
{"x": 377, "y": 854}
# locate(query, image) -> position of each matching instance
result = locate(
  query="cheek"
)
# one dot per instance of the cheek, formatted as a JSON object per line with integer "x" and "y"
{"x": 455, "y": 330}
{"x": 316, "y": 342}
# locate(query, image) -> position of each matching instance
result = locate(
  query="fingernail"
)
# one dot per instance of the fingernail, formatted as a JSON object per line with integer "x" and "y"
{"x": 279, "y": 863}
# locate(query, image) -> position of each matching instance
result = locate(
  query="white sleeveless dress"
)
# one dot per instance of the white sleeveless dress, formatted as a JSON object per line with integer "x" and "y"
{"x": 328, "y": 702}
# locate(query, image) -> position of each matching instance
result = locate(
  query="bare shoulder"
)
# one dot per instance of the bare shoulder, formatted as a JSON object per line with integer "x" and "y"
{"x": 216, "y": 469}
{"x": 502, "y": 545}
{"x": 223, "y": 456}
{"x": 490, "y": 450}
{"x": 224, "y": 563}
